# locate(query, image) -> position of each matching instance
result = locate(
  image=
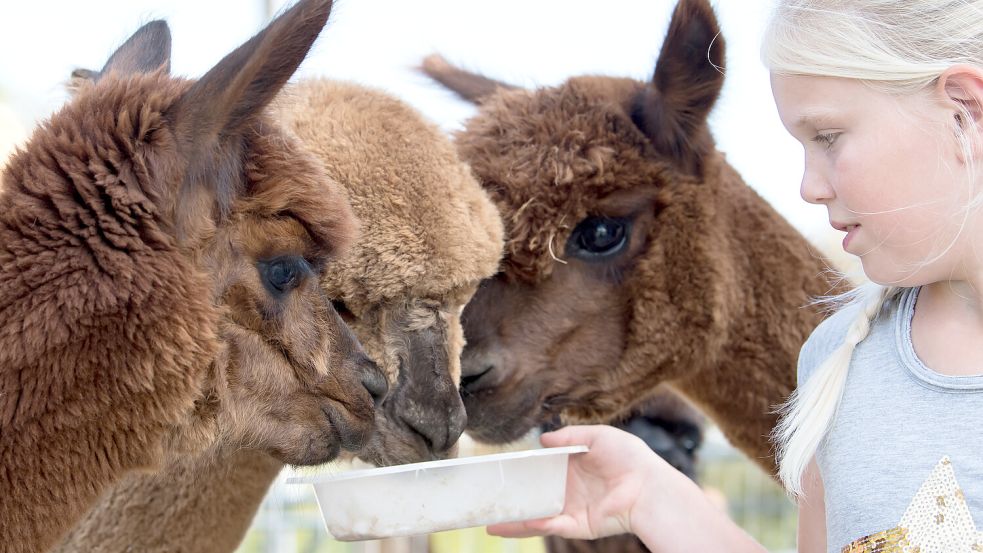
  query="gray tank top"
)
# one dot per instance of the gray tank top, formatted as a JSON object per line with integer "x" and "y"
{"x": 903, "y": 461}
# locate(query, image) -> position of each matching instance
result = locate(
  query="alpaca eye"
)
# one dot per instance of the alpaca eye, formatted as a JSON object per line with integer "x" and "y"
{"x": 283, "y": 274}
{"x": 598, "y": 238}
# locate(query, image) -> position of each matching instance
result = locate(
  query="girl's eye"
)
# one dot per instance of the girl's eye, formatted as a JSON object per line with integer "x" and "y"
{"x": 826, "y": 139}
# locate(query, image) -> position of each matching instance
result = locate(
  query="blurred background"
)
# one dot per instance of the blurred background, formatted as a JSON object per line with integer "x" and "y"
{"x": 379, "y": 43}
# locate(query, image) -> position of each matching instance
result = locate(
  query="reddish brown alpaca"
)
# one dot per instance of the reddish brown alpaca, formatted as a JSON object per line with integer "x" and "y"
{"x": 128, "y": 221}
{"x": 636, "y": 255}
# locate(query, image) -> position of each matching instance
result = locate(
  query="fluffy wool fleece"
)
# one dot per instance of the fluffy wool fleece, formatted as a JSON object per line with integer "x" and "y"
{"x": 428, "y": 234}
{"x": 427, "y": 228}
{"x": 115, "y": 340}
{"x": 548, "y": 157}
{"x": 98, "y": 364}
{"x": 717, "y": 297}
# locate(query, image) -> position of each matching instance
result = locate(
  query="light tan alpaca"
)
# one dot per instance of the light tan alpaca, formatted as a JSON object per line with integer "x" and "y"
{"x": 429, "y": 236}
{"x": 150, "y": 232}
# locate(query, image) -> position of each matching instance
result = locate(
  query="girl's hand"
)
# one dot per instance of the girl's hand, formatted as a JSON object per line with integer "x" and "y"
{"x": 605, "y": 486}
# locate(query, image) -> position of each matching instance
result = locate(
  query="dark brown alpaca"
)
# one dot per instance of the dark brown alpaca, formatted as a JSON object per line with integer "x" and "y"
{"x": 635, "y": 255}
{"x": 671, "y": 428}
{"x": 159, "y": 245}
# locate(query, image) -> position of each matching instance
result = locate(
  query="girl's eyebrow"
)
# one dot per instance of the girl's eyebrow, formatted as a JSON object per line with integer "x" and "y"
{"x": 814, "y": 119}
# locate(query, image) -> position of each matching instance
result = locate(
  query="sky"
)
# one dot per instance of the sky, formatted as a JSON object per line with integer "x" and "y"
{"x": 380, "y": 42}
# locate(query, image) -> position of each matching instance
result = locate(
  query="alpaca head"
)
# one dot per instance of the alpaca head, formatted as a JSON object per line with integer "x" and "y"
{"x": 599, "y": 181}
{"x": 431, "y": 235}
{"x": 260, "y": 220}
{"x": 293, "y": 378}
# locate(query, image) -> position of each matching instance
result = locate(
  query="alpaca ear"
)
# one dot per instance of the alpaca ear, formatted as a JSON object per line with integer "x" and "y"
{"x": 672, "y": 110}
{"x": 148, "y": 50}
{"x": 471, "y": 87}
{"x": 235, "y": 91}
{"x": 79, "y": 78}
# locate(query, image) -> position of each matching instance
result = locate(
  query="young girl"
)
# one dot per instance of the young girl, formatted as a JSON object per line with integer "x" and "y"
{"x": 879, "y": 444}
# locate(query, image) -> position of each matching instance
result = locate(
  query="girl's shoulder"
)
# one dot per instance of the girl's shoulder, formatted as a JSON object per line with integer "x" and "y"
{"x": 831, "y": 334}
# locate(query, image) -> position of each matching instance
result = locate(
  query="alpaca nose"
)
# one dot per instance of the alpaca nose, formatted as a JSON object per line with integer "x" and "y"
{"x": 427, "y": 399}
{"x": 440, "y": 424}
{"x": 374, "y": 381}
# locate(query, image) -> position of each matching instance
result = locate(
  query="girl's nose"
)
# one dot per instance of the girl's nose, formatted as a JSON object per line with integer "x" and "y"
{"x": 815, "y": 189}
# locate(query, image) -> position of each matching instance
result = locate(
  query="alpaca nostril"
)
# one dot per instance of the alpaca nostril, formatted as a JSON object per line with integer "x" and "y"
{"x": 432, "y": 438}
{"x": 439, "y": 437}
{"x": 374, "y": 381}
{"x": 438, "y": 419}
{"x": 482, "y": 368}
{"x": 473, "y": 382}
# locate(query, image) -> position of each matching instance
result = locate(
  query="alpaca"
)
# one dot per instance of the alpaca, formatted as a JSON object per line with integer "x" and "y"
{"x": 671, "y": 428}
{"x": 635, "y": 255}
{"x": 431, "y": 234}
{"x": 667, "y": 423}
{"x": 435, "y": 235}
{"x": 159, "y": 244}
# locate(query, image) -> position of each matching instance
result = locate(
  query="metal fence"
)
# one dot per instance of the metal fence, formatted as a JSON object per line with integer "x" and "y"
{"x": 289, "y": 520}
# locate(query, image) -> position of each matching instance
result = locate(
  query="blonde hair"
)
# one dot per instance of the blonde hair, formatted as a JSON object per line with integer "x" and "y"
{"x": 897, "y": 47}
{"x": 810, "y": 410}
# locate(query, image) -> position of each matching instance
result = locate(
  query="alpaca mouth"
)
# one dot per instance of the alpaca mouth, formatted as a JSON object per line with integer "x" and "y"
{"x": 497, "y": 419}
{"x": 402, "y": 431}
{"x": 350, "y": 437}
{"x": 394, "y": 444}
{"x": 416, "y": 440}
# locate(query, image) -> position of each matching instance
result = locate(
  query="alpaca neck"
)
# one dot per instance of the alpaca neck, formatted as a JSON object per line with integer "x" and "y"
{"x": 776, "y": 276}
{"x": 201, "y": 505}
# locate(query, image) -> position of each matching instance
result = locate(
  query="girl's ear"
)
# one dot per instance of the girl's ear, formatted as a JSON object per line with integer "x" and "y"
{"x": 961, "y": 88}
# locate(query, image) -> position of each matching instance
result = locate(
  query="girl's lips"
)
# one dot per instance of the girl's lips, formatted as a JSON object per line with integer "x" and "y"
{"x": 851, "y": 231}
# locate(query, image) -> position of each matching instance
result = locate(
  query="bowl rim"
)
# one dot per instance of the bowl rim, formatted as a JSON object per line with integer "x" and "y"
{"x": 443, "y": 463}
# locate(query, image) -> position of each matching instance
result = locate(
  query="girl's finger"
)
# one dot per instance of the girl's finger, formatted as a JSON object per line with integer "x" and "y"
{"x": 560, "y": 525}
{"x": 569, "y": 435}
{"x": 522, "y": 529}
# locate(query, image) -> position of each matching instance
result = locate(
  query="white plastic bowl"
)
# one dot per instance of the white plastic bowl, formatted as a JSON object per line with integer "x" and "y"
{"x": 420, "y": 498}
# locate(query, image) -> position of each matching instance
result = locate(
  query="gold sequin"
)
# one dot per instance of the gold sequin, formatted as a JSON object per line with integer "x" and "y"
{"x": 888, "y": 541}
{"x": 931, "y": 523}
